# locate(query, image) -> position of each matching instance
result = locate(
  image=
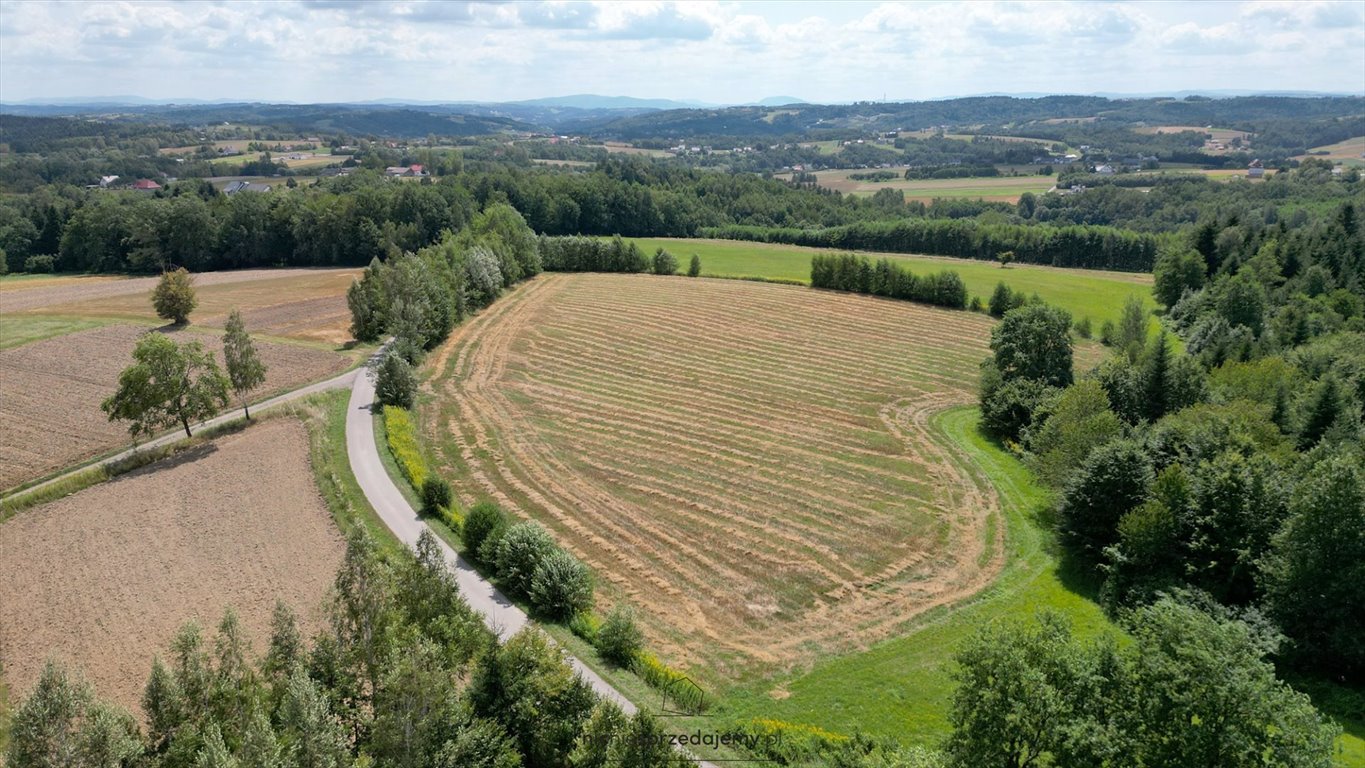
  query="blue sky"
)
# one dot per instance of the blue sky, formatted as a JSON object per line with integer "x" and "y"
{"x": 721, "y": 52}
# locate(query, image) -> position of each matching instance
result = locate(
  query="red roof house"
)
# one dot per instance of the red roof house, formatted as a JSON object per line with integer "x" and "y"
{"x": 146, "y": 184}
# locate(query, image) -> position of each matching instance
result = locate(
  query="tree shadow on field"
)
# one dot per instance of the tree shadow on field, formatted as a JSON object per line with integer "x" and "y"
{"x": 179, "y": 458}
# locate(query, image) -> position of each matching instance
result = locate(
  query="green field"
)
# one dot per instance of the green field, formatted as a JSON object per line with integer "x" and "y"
{"x": 22, "y": 329}
{"x": 1084, "y": 293}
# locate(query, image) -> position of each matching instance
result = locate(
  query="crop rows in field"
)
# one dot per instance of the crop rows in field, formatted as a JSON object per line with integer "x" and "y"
{"x": 751, "y": 465}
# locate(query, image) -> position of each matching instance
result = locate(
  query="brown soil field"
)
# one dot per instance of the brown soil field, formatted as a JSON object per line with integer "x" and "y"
{"x": 103, "y": 579}
{"x": 307, "y": 304}
{"x": 51, "y": 390}
{"x": 753, "y": 466}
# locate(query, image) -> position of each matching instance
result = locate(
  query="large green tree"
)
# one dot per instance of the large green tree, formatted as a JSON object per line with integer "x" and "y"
{"x": 168, "y": 384}
{"x": 1034, "y": 342}
{"x": 173, "y": 298}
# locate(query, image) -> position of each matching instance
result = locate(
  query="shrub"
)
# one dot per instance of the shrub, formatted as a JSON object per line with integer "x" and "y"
{"x": 694, "y": 267}
{"x": 401, "y": 435}
{"x": 664, "y": 263}
{"x": 679, "y": 687}
{"x": 561, "y": 586}
{"x": 975, "y": 304}
{"x": 619, "y": 640}
{"x": 395, "y": 383}
{"x": 173, "y": 298}
{"x": 520, "y": 552}
{"x": 1083, "y": 328}
{"x": 586, "y": 625}
{"x": 42, "y": 262}
{"x": 485, "y": 521}
{"x": 436, "y": 495}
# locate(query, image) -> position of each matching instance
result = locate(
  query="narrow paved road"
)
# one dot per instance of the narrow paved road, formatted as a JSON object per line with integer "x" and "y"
{"x": 336, "y": 382}
{"x": 499, "y": 613}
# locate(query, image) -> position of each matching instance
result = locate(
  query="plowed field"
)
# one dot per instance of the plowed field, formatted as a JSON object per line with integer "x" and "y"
{"x": 102, "y": 579}
{"x": 51, "y": 390}
{"x": 750, "y": 465}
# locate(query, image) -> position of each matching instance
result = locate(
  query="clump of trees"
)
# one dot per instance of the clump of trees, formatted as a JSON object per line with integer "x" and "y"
{"x": 174, "y": 298}
{"x": 169, "y": 384}
{"x": 403, "y": 674}
{"x": 1035, "y": 694}
{"x": 858, "y": 274}
{"x": 591, "y": 254}
{"x": 395, "y": 382}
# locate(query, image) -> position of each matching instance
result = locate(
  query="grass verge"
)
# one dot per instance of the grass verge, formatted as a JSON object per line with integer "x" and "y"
{"x": 332, "y": 469}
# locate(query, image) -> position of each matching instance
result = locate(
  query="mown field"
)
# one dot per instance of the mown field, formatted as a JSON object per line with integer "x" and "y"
{"x": 103, "y": 578}
{"x": 748, "y": 464}
{"x": 1350, "y": 152}
{"x": 1082, "y": 292}
{"x": 1005, "y": 189}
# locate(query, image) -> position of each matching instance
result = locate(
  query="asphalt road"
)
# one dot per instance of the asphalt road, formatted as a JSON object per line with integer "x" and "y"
{"x": 499, "y": 613}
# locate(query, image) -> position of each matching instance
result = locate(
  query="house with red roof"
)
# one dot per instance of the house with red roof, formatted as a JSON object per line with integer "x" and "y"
{"x": 146, "y": 184}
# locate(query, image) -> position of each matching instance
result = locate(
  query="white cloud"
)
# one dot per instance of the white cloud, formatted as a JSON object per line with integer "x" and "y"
{"x": 326, "y": 50}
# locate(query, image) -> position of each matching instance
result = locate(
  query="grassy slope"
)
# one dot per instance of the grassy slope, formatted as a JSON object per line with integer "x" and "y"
{"x": 1084, "y": 293}
{"x": 22, "y": 329}
{"x": 902, "y": 688}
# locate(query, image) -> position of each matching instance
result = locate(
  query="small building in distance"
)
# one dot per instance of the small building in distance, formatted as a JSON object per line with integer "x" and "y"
{"x": 405, "y": 170}
{"x": 146, "y": 185}
{"x": 106, "y": 181}
{"x": 245, "y": 186}
{"x": 1105, "y": 170}
{"x": 1255, "y": 169}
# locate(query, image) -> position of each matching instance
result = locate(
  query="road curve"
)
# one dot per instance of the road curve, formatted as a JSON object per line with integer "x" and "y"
{"x": 499, "y": 613}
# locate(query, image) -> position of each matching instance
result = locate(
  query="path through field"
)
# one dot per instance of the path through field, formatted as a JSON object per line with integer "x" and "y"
{"x": 750, "y": 465}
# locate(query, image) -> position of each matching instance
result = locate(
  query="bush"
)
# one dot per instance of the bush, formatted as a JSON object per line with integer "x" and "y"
{"x": 679, "y": 687}
{"x": 401, "y": 435}
{"x": 619, "y": 640}
{"x": 436, "y": 495}
{"x": 664, "y": 263}
{"x": 485, "y": 521}
{"x": 395, "y": 383}
{"x": 586, "y": 625}
{"x": 44, "y": 262}
{"x": 694, "y": 267}
{"x": 520, "y": 552}
{"x": 1083, "y": 328}
{"x": 173, "y": 298}
{"x": 561, "y": 586}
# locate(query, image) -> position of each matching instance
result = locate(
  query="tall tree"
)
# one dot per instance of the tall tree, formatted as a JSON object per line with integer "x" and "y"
{"x": 167, "y": 384}
{"x": 173, "y": 298}
{"x": 1034, "y": 342}
{"x": 244, "y": 367}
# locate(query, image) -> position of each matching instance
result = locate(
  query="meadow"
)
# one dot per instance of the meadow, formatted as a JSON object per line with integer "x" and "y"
{"x": 1350, "y": 152}
{"x": 1090, "y": 293}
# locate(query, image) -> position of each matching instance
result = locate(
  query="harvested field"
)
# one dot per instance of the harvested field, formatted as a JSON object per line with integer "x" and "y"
{"x": 307, "y": 304}
{"x": 103, "y": 579}
{"x": 51, "y": 390}
{"x": 751, "y": 465}
{"x": 1005, "y": 189}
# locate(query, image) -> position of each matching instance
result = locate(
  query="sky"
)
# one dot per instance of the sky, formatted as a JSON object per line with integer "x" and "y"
{"x": 717, "y": 52}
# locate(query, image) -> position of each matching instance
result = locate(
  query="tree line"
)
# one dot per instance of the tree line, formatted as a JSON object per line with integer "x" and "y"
{"x": 884, "y": 277}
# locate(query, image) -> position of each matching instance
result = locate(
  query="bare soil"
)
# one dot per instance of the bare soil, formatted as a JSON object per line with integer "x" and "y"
{"x": 21, "y": 296}
{"x": 51, "y": 390}
{"x": 752, "y": 466}
{"x": 103, "y": 579}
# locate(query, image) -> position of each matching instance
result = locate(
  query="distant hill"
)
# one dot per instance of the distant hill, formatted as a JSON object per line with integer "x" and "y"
{"x": 779, "y": 101}
{"x": 593, "y": 101}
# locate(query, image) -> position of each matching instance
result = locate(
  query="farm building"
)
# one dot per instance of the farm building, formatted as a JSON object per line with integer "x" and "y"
{"x": 245, "y": 186}
{"x": 405, "y": 170}
{"x": 146, "y": 185}
{"x": 1105, "y": 170}
{"x": 1255, "y": 170}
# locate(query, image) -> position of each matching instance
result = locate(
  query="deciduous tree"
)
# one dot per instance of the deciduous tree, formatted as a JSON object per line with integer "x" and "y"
{"x": 167, "y": 384}
{"x": 244, "y": 367}
{"x": 174, "y": 298}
